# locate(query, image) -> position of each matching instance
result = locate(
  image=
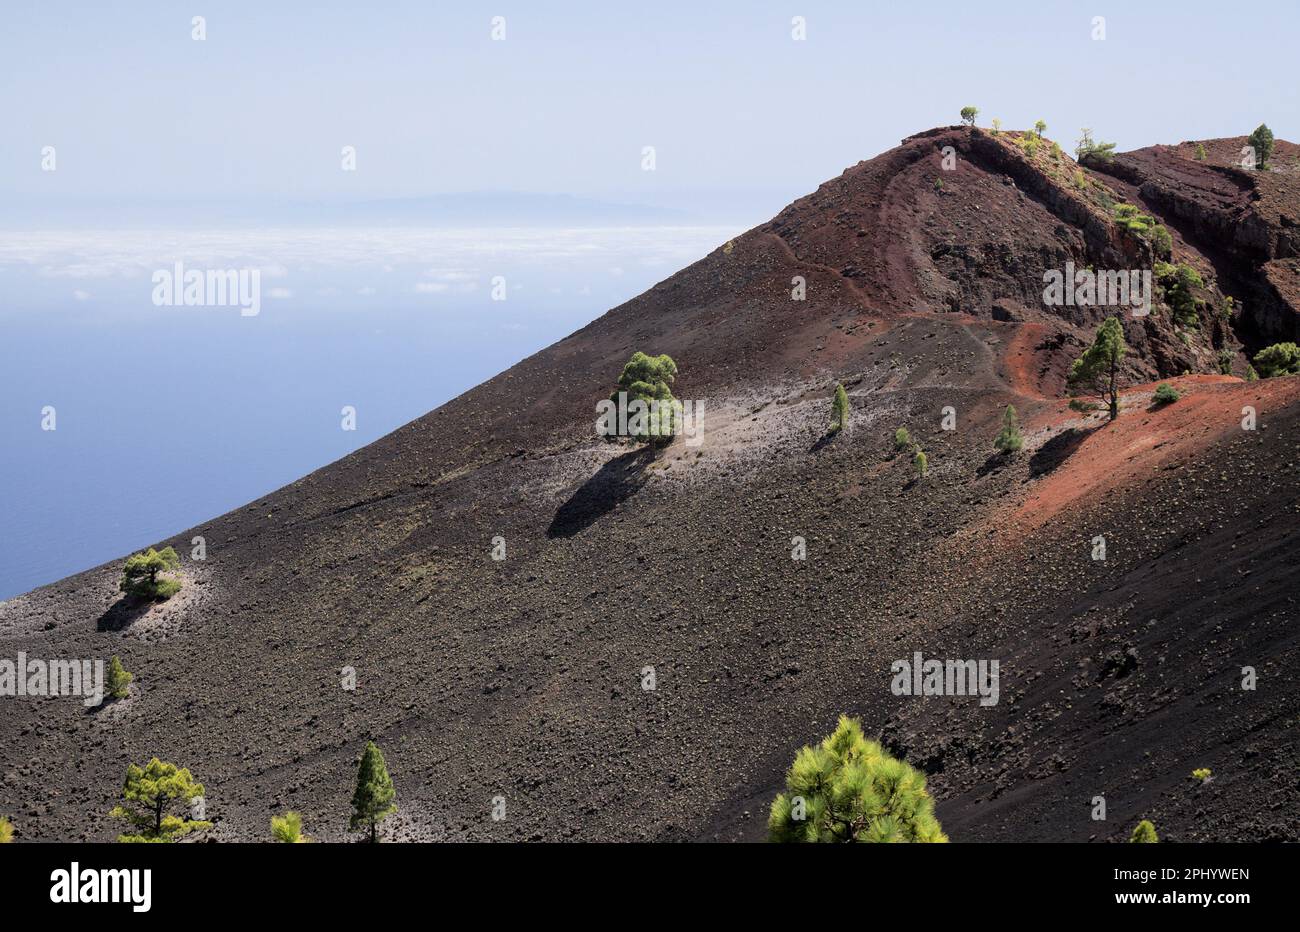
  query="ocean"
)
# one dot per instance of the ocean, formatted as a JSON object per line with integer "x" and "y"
{"x": 124, "y": 419}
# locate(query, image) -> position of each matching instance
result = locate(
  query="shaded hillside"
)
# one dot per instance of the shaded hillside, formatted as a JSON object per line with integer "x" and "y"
{"x": 523, "y": 678}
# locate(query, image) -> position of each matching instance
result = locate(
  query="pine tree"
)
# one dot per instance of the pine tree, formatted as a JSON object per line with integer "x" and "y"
{"x": 287, "y": 829}
{"x": 839, "y": 409}
{"x": 140, "y": 574}
{"x": 902, "y": 439}
{"x": 1278, "y": 359}
{"x": 1040, "y": 127}
{"x": 1262, "y": 142}
{"x": 921, "y": 462}
{"x": 373, "y": 800}
{"x": 118, "y": 679}
{"x": 847, "y": 789}
{"x": 968, "y": 115}
{"x": 646, "y": 379}
{"x": 1009, "y": 440}
{"x": 152, "y": 789}
{"x": 1087, "y": 147}
{"x": 1097, "y": 370}
{"x": 1144, "y": 833}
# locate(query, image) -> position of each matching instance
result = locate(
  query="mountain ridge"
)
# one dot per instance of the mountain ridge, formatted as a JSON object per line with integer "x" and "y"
{"x": 521, "y": 678}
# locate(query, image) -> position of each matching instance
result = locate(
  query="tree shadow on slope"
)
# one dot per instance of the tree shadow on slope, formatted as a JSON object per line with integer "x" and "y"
{"x": 614, "y": 483}
{"x": 823, "y": 441}
{"x": 1056, "y": 451}
{"x": 994, "y": 463}
{"x": 122, "y": 613}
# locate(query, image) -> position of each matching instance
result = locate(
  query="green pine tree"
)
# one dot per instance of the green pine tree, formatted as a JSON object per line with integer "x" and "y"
{"x": 373, "y": 800}
{"x": 646, "y": 379}
{"x": 968, "y": 115}
{"x": 140, "y": 574}
{"x": 1278, "y": 359}
{"x": 1262, "y": 142}
{"x": 1009, "y": 439}
{"x": 839, "y": 409}
{"x": 118, "y": 679}
{"x": 921, "y": 462}
{"x": 902, "y": 439}
{"x": 847, "y": 789}
{"x": 1144, "y": 833}
{"x": 1097, "y": 370}
{"x": 149, "y": 791}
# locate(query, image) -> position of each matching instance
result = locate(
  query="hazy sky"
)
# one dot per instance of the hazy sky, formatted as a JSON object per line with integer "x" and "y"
{"x": 139, "y": 110}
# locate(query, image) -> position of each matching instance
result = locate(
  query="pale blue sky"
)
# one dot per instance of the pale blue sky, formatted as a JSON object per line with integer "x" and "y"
{"x": 735, "y": 108}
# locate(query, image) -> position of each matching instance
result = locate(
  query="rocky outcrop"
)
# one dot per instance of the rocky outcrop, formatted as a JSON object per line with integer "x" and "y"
{"x": 1245, "y": 222}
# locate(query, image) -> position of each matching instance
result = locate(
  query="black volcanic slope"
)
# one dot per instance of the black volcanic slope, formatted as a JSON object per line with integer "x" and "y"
{"x": 522, "y": 678}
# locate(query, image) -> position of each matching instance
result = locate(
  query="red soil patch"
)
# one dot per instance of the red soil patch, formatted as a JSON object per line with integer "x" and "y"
{"x": 1021, "y": 362}
{"x": 1146, "y": 438}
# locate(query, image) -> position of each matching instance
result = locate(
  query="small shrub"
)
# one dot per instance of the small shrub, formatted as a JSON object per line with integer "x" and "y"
{"x": 1080, "y": 179}
{"x": 1224, "y": 359}
{"x": 1165, "y": 394}
{"x": 287, "y": 829}
{"x": 1162, "y": 243}
{"x": 1278, "y": 359}
{"x": 997, "y": 126}
{"x": 6, "y": 831}
{"x": 1009, "y": 439}
{"x": 1251, "y": 374}
{"x": 902, "y": 439}
{"x": 1201, "y": 774}
{"x": 1144, "y": 227}
{"x": 1083, "y": 407}
{"x": 1200, "y": 152}
{"x": 1144, "y": 833}
{"x": 921, "y": 462}
{"x": 118, "y": 679}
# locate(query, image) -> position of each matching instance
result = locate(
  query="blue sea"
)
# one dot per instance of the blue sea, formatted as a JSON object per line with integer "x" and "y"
{"x": 164, "y": 416}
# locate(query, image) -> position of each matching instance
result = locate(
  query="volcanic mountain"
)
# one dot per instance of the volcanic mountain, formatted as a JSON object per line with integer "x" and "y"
{"x": 650, "y": 653}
